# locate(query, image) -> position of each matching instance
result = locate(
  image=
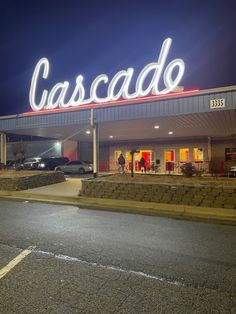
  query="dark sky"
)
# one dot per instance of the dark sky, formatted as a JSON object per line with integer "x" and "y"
{"x": 94, "y": 37}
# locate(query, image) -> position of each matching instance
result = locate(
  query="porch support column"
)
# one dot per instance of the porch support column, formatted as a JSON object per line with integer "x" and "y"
{"x": 95, "y": 145}
{"x": 3, "y": 148}
{"x": 209, "y": 148}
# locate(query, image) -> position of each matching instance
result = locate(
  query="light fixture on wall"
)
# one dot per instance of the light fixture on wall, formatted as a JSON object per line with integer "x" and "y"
{"x": 156, "y": 126}
{"x": 88, "y": 132}
{"x": 170, "y": 132}
{"x": 110, "y": 136}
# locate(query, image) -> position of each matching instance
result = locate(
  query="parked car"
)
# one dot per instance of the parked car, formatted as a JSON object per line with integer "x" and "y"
{"x": 15, "y": 164}
{"x": 30, "y": 163}
{"x": 232, "y": 171}
{"x": 75, "y": 166}
{"x": 51, "y": 163}
{"x": 11, "y": 164}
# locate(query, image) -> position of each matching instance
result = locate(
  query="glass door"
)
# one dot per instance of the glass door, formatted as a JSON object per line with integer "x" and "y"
{"x": 169, "y": 160}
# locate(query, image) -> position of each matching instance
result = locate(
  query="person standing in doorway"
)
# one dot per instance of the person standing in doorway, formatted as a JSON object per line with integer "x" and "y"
{"x": 121, "y": 162}
{"x": 142, "y": 164}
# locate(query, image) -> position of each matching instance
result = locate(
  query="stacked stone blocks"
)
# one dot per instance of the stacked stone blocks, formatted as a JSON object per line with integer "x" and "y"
{"x": 196, "y": 195}
{"x": 30, "y": 181}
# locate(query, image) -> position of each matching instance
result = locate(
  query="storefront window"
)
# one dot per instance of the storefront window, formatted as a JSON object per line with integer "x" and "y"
{"x": 169, "y": 155}
{"x": 128, "y": 157}
{"x": 198, "y": 154}
{"x": 184, "y": 154}
{"x": 169, "y": 160}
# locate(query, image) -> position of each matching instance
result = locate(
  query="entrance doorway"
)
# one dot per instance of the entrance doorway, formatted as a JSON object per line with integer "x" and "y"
{"x": 169, "y": 160}
{"x": 147, "y": 155}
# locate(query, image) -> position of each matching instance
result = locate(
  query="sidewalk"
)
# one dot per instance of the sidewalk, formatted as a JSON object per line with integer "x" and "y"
{"x": 67, "y": 193}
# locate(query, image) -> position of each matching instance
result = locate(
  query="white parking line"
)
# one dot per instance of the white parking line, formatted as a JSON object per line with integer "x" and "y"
{"x": 14, "y": 262}
{"x": 108, "y": 267}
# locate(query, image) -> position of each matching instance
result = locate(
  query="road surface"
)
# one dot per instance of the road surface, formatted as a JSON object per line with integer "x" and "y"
{"x": 90, "y": 261}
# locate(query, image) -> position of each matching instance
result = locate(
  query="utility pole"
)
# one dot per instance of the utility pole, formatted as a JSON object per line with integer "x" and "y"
{"x": 95, "y": 144}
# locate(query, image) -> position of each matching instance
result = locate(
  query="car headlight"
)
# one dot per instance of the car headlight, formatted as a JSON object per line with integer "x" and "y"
{"x": 41, "y": 165}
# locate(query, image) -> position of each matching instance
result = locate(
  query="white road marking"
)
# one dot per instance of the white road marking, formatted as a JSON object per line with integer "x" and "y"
{"x": 14, "y": 262}
{"x": 93, "y": 264}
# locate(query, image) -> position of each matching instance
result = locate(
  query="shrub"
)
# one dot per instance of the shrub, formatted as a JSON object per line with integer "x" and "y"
{"x": 188, "y": 169}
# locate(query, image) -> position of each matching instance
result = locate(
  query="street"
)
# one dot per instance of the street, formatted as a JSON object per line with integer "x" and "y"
{"x": 90, "y": 261}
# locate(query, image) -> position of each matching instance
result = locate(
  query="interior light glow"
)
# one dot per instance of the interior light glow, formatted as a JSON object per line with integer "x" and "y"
{"x": 170, "y": 132}
{"x": 156, "y": 127}
{"x": 110, "y": 136}
{"x": 88, "y": 132}
{"x": 58, "y": 144}
{"x": 49, "y": 99}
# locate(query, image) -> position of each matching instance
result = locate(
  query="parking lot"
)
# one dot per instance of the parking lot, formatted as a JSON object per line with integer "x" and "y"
{"x": 64, "y": 259}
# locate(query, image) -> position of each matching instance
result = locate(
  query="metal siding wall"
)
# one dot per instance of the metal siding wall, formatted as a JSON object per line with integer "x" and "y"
{"x": 168, "y": 107}
{"x": 27, "y": 122}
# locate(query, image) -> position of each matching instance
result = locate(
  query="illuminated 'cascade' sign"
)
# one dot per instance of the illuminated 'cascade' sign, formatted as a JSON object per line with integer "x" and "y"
{"x": 56, "y": 97}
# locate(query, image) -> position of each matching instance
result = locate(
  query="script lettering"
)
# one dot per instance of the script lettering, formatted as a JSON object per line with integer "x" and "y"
{"x": 56, "y": 97}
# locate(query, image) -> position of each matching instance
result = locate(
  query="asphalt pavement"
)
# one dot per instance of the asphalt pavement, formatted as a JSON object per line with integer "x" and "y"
{"x": 91, "y": 261}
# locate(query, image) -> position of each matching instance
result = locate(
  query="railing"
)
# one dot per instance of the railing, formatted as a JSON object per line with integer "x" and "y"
{"x": 203, "y": 167}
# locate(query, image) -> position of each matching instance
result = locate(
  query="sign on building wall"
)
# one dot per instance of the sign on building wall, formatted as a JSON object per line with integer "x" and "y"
{"x": 116, "y": 87}
{"x": 217, "y": 103}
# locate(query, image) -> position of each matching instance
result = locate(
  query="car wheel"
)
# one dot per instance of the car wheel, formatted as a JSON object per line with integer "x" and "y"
{"x": 81, "y": 171}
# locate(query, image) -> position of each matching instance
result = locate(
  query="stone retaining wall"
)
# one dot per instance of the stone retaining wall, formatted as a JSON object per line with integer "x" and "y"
{"x": 197, "y": 195}
{"x": 30, "y": 181}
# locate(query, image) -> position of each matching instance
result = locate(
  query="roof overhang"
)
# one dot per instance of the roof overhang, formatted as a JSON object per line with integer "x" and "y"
{"x": 186, "y": 115}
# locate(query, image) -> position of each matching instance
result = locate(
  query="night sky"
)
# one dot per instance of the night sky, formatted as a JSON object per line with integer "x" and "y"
{"x": 95, "y": 37}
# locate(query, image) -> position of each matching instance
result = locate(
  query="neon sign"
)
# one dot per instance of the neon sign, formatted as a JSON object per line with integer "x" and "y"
{"x": 55, "y": 98}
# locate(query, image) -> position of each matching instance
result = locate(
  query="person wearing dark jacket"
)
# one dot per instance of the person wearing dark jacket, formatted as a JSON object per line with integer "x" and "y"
{"x": 121, "y": 162}
{"x": 142, "y": 164}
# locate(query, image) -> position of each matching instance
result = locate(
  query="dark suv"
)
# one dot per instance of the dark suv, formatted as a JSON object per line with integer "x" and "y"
{"x": 51, "y": 162}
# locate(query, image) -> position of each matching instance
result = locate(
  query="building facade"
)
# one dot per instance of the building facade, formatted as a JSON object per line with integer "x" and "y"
{"x": 167, "y": 130}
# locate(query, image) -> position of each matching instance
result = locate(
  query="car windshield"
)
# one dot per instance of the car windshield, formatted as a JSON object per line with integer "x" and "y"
{"x": 45, "y": 160}
{"x": 86, "y": 162}
{"x": 74, "y": 162}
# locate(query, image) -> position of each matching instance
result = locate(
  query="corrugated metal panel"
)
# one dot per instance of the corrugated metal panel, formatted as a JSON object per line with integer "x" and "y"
{"x": 27, "y": 122}
{"x": 160, "y": 108}
{"x": 187, "y": 105}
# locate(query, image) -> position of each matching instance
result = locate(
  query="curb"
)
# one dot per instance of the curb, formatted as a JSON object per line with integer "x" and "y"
{"x": 218, "y": 215}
